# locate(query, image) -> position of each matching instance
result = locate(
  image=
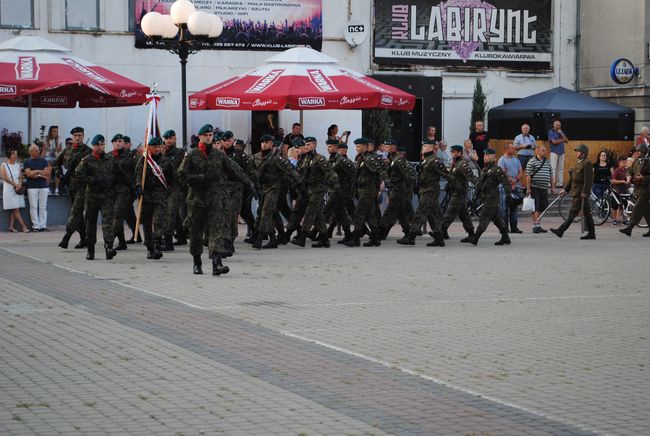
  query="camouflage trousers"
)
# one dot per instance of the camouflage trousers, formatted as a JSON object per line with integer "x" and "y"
{"x": 208, "y": 221}
{"x": 335, "y": 211}
{"x": 122, "y": 202}
{"x": 93, "y": 206}
{"x": 314, "y": 212}
{"x": 458, "y": 208}
{"x": 399, "y": 209}
{"x": 428, "y": 209}
{"x": 234, "y": 206}
{"x": 366, "y": 210}
{"x": 268, "y": 209}
{"x": 641, "y": 206}
{"x": 175, "y": 200}
{"x": 75, "y": 221}
{"x": 298, "y": 211}
{"x": 491, "y": 212}
{"x": 154, "y": 219}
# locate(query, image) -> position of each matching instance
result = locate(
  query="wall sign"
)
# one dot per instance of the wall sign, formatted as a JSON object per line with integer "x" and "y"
{"x": 623, "y": 71}
{"x": 356, "y": 32}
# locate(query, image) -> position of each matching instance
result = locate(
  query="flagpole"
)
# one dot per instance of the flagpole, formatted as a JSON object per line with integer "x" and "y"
{"x": 152, "y": 121}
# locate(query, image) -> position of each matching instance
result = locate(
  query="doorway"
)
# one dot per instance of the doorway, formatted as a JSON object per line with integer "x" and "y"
{"x": 263, "y": 123}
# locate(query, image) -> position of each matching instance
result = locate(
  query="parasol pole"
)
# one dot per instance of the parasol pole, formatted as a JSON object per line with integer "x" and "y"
{"x": 29, "y": 119}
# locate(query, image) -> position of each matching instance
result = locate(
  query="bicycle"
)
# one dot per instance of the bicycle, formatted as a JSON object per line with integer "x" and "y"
{"x": 474, "y": 202}
{"x": 601, "y": 207}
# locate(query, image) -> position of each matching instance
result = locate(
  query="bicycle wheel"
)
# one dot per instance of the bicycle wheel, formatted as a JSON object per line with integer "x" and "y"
{"x": 600, "y": 210}
{"x": 564, "y": 206}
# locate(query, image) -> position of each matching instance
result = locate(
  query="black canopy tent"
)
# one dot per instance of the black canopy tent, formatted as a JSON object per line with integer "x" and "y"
{"x": 583, "y": 117}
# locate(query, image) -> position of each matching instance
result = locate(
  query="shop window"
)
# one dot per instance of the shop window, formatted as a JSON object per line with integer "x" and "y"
{"x": 82, "y": 14}
{"x": 17, "y": 13}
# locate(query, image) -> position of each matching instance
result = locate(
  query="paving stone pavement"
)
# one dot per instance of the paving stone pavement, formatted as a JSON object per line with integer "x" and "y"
{"x": 544, "y": 336}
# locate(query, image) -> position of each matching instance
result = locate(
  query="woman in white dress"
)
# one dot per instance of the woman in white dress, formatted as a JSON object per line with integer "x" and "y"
{"x": 12, "y": 178}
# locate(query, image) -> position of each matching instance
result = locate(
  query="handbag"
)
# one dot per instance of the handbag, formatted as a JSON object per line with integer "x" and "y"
{"x": 20, "y": 191}
{"x": 529, "y": 204}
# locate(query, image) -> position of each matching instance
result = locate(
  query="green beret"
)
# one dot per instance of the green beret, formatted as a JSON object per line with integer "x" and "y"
{"x": 206, "y": 129}
{"x": 76, "y": 130}
{"x": 155, "y": 140}
{"x": 343, "y": 145}
{"x": 218, "y": 136}
{"x": 361, "y": 141}
{"x": 489, "y": 151}
{"x": 126, "y": 139}
{"x": 332, "y": 142}
{"x": 116, "y": 137}
{"x": 582, "y": 148}
{"x": 298, "y": 142}
{"x": 402, "y": 150}
{"x": 310, "y": 139}
{"x": 390, "y": 141}
{"x": 265, "y": 138}
{"x": 227, "y": 135}
{"x": 97, "y": 139}
{"x": 456, "y": 147}
{"x": 239, "y": 142}
{"x": 169, "y": 134}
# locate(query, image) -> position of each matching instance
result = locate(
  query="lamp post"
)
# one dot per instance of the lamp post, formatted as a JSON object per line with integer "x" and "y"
{"x": 182, "y": 32}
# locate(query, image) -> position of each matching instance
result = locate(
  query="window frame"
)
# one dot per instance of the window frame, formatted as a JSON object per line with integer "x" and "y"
{"x": 81, "y": 29}
{"x": 11, "y": 26}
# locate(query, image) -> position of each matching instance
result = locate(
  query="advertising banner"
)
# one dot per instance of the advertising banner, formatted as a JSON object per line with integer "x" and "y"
{"x": 491, "y": 33}
{"x": 250, "y": 25}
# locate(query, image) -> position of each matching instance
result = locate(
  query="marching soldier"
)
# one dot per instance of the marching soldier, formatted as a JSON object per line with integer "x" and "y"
{"x": 65, "y": 168}
{"x": 459, "y": 177}
{"x": 130, "y": 213}
{"x": 639, "y": 175}
{"x": 123, "y": 169}
{"x": 488, "y": 187}
{"x": 175, "y": 200}
{"x": 432, "y": 170}
{"x": 300, "y": 204}
{"x": 401, "y": 179}
{"x": 581, "y": 179}
{"x": 158, "y": 182}
{"x": 246, "y": 212}
{"x": 335, "y": 210}
{"x": 96, "y": 172}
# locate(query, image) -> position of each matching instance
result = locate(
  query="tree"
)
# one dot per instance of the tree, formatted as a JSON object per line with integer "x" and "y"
{"x": 478, "y": 105}
{"x": 377, "y": 125}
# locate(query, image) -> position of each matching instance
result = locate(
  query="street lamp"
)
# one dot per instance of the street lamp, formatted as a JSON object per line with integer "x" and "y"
{"x": 182, "y": 32}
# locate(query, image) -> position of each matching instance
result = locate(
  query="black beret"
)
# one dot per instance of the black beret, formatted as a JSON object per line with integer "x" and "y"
{"x": 332, "y": 142}
{"x": 116, "y": 137}
{"x": 239, "y": 142}
{"x": 361, "y": 141}
{"x": 390, "y": 141}
{"x": 265, "y": 138}
{"x": 97, "y": 139}
{"x": 76, "y": 130}
{"x": 169, "y": 134}
{"x": 402, "y": 149}
{"x": 207, "y": 128}
{"x": 227, "y": 135}
{"x": 154, "y": 140}
{"x": 343, "y": 145}
{"x": 298, "y": 142}
{"x": 456, "y": 147}
{"x": 489, "y": 151}
{"x": 126, "y": 139}
{"x": 218, "y": 136}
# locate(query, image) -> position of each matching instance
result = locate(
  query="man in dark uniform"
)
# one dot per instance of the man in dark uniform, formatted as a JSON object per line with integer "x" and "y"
{"x": 347, "y": 185}
{"x": 369, "y": 173}
{"x": 581, "y": 179}
{"x": 123, "y": 172}
{"x": 246, "y": 211}
{"x": 317, "y": 175}
{"x": 335, "y": 210}
{"x": 639, "y": 175}
{"x": 95, "y": 171}
{"x": 65, "y": 168}
{"x": 130, "y": 213}
{"x": 176, "y": 198}
{"x": 158, "y": 183}
{"x": 431, "y": 170}
{"x": 459, "y": 177}
{"x": 300, "y": 204}
{"x": 488, "y": 187}
{"x": 401, "y": 177}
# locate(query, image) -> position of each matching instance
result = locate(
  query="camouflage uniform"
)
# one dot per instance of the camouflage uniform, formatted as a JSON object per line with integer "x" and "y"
{"x": 70, "y": 159}
{"x": 236, "y": 189}
{"x": 400, "y": 195}
{"x": 300, "y": 204}
{"x": 335, "y": 211}
{"x": 175, "y": 200}
{"x": 488, "y": 187}
{"x": 123, "y": 171}
{"x": 369, "y": 172}
{"x": 460, "y": 175}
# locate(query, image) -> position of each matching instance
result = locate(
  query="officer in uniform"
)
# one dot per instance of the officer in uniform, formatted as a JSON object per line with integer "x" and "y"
{"x": 335, "y": 210}
{"x": 581, "y": 178}
{"x": 123, "y": 170}
{"x": 488, "y": 187}
{"x": 459, "y": 177}
{"x": 317, "y": 175}
{"x": 96, "y": 172}
{"x": 65, "y": 168}
{"x": 401, "y": 178}
{"x": 176, "y": 198}
{"x": 369, "y": 173}
{"x": 639, "y": 176}
{"x": 158, "y": 183}
{"x": 432, "y": 170}
{"x": 246, "y": 211}
{"x": 300, "y": 203}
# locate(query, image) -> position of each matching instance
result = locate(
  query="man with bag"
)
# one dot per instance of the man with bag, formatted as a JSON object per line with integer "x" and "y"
{"x": 539, "y": 177}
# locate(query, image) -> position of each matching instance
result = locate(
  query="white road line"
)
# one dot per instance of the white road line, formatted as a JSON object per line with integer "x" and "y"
{"x": 440, "y": 382}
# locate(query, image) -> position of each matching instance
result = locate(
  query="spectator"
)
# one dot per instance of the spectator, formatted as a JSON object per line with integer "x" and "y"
{"x": 602, "y": 174}
{"x": 525, "y": 145}
{"x": 430, "y": 136}
{"x": 644, "y": 137}
{"x": 443, "y": 154}
{"x": 333, "y": 131}
{"x": 52, "y": 149}
{"x": 539, "y": 178}
{"x": 511, "y": 165}
{"x": 557, "y": 140}
{"x": 293, "y": 156}
{"x": 480, "y": 141}
{"x": 12, "y": 178}
{"x": 38, "y": 172}
{"x": 296, "y": 133}
{"x": 471, "y": 156}
{"x": 620, "y": 185}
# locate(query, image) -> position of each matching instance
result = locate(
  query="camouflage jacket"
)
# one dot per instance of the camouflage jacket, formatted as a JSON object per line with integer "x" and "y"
{"x": 640, "y": 167}
{"x": 581, "y": 178}
{"x": 123, "y": 171}
{"x": 432, "y": 170}
{"x": 370, "y": 172}
{"x": 492, "y": 175}
{"x": 460, "y": 175}
{"x": 96, "y": 174}
{"x": 273, "y": 171}
{"x": 317, "y": 173}
{"x": 345, "y": 172}
{"x": 70, "y": 158}
{"x": 154, "y": 191}
{"x": 400, "y": 173}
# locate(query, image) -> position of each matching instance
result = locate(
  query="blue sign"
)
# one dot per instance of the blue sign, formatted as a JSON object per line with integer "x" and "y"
{"x": 623, "y": 71}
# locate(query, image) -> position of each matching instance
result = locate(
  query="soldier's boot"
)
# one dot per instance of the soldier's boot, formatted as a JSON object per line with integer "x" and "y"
{"x": 646, "y": 234}
{"x": 505, "y": 239}
{"x": 110, "y": 251}
{"x": 330, "y": 230}
{"x": 299, "y": 239}
{"x": 627, "y": 231}
{"x": 198, "y": 266}
{"x": 90, "y": 254}
{"x": 469, "y": 237}
{"x": 347, "y": 234}
{"x": 313, "y": 235}
{"x": 227, "y": 250}
{"x": 150, "y": 253}
{"x": 559, "y": 232}
{"x": 323, "y": 242}
{"x": 157, "y": 245}
{"x": 251, "y": 239}
{"x": 66, "y": 239}
{"x": 258, "y": 241}
{"x": 287, "y": 235}
{"x": 383, "y": 233}
{"x": 273, "y": 242}
{"x": 168, "y": 245}
{"x": 591, "y": 228}
{"x": 438, "y": 240}
{"x": 375, "y": 239}
{"x": 353, "y": 241}
{"x": 408, "y": 239}
{"x": 445, "y": 234}
{"x": 121, "y": 243}
{"x": 249, "y": 231}
{"x": 476, "y": 236}
{"x": 282, "y": 237}
{"x": 82, "y": 239}
{"x": 131, "y": 240}
{"x": 217, "y": 266}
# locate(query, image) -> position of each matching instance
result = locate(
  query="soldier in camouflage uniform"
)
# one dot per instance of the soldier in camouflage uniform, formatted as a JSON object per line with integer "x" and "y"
{"x": 432, "y": 170}
{"x": 369, "y": 173}
{"x": 335, "y": 210}
{"x": 347, "y": 185}
{"x": 67, "y": 161}
{"x": 123, "y": 169}
{"x": 130, "y": 213}
{"x": 401, "y": 178}
{"x": 300, "y": 203}
{"x": 203, "y": 171}
{"x": 176, "y": 198}
{"x": 639, "y": 176}
{"x": 488, "y": 188}
{"x": 246, "y": 211}
{"x": 460, "y": 175}
{"x": 95, "y": 171}
{"x": 317, "y": 175}
{"x": 581, "y": 180}
{"x": 159, "y": 180}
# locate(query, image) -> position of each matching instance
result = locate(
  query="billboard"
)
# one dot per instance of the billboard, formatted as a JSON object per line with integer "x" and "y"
{"x": 491, "y": 33}
{"x": 249, "y": 25}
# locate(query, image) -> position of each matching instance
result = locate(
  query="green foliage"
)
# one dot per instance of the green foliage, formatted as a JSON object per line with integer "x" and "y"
{"x": 377, "y": 125}
{"x": 479, "y": 108}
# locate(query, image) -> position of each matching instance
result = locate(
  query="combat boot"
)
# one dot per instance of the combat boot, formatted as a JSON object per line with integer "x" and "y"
{"x": 375, "y": 239}
{"x": 408, "y": 239}
{"x": 505, "y": 239}
{"x": 168, "y": 245}
{"x": 121, "y": 243}
{"x": 217, "y": 266}
{"x": 330, "y": 230}
{"x": 66, "y": 239}
{"x": 300, "y": 239}
{"x": 353, "y": 241}
{"x": 559, "y": 232}
{"x": 445, "y": 234}
{"x": 282, "y": 237}
{"x": 323, "y": 242}
{"x": 438, "y": 240}
{"x": 627, "y": 231}
{"x": 313, "y": 235}
{"x": 473, "y": 239}
{"x": 258, "y": 241}
{"x": 110, "y": 252}
{"x": 646, "y": 234}
{"x": 273, "y": 242}
{"x": 251, "y": 239}
{"x": 90, "y": 255}
{"x": 469, "y": 237}
{"x": 197, "y": 268}
{"x": 591, "y": 228}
